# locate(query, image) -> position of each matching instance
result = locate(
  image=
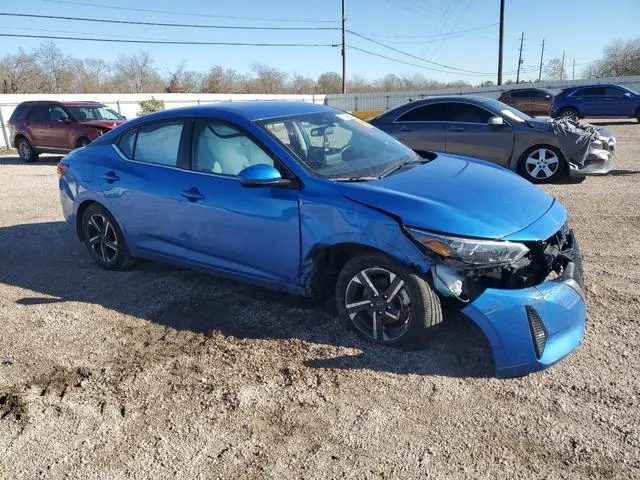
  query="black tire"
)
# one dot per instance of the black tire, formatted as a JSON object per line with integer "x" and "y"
{"x": 26, "y": 151}
{"x": 568, "y": 112}
{"x": 104, "y": 240}
{"x": 528, "y": 170}
{"x": 408, "y": 315}
{"x": 83, "y": 142}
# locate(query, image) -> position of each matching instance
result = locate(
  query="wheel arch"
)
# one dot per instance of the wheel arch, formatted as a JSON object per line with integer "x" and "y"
{"x": 82, "y": 207}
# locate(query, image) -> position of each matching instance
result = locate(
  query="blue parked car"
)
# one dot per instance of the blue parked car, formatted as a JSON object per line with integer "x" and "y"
{"x": 313, "y": 201}
{"x": 596, "y": 101}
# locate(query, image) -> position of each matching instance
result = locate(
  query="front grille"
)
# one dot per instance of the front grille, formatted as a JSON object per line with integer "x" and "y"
{"x": 538, "y": 332}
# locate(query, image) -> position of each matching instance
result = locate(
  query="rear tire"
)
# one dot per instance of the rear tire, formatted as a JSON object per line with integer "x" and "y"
{"x": 26, "y": 151}
{"x": 83, "y": 142}
{"x": 104, "y": 239}
{"x": 568, "y": 112}
{"x": 386, "y": 302}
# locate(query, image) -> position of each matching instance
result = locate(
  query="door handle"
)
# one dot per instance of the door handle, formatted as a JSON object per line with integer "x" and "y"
{"x": 110, "y": 177}
{"x": 193, "y": 194}
{"x": 456, "y": 129}
{"x": 406, "y": 129}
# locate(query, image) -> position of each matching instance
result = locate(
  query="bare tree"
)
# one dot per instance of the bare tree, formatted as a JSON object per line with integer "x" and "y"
{"x": 221, "y": 80}
{"x": 302, "y": 84}
{"x": 137, "y": 73}
{"x": 91, "y": 75}
{"x": 267, "y": 79}
{"x": 554, "y": 70}
{"x": 20, "y": 73}
{"x": 620, "y": 59}
{"x": 184, "y": 81}
{"x": 329, "y": 82}
{"x": 56, "y": 68}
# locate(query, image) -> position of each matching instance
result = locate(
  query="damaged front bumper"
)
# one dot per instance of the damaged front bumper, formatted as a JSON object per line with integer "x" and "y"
{"x": 599, "y": 159}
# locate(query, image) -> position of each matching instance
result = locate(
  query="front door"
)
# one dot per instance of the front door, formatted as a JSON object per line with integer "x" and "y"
{"x": 468, "y": 133}
{"x": 254, "y": 232}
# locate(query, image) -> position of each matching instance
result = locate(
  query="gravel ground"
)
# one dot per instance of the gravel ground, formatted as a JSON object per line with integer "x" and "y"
{"x": 162, "y": 372}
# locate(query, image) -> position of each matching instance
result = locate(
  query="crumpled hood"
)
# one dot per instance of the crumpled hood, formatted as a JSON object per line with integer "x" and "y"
{"x": 456, "y": 195}
{"x": 106, "y": 124}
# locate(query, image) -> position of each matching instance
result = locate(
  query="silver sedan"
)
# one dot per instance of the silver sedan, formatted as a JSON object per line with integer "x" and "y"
{"x": 491, "y": 130}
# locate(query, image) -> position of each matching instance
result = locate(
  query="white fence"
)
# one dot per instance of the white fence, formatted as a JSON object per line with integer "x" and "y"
{"x": 128, "y": 104}
{"x": 386, "y": 100}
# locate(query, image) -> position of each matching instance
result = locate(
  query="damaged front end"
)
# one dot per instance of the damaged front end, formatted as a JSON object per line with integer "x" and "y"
{"x": 532, "y": 310}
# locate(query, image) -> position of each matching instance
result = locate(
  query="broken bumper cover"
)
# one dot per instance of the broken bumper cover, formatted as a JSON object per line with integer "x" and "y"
{"x": 522, "y": 345}
{"x": 599, "y": 159}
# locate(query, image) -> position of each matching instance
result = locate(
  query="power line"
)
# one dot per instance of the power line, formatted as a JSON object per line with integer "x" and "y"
{"x": 158, "y": 24}
{"x": 430, "y": 35}
{"x": 173, "y": 12}
{"x": 167, "y": 42}
{"x": 368, "y": 52}
{"x": 416, "y": 57}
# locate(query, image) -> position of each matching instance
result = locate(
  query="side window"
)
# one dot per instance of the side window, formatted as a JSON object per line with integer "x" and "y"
{"x": 17, "y": 112}
{"x": 219, "y": 148}
{"x": 127, "y": 142}
{"x": 39, "y": 113}
{"x": 159, "y": 143}
{"x": 467, "y": 113}
{"x": 426, "y": 113}
{"x": 590, "y": 92}
{"x": 613, "y": 92}
{"x": 57, "y": 114}
{"x": 521, "y": 94}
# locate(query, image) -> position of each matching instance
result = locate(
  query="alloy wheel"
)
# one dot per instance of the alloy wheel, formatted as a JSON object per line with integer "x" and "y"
{"x": 379, "y": 304}
{"x": 542, "y": 164}
{"x": 24, "y": 151}
{"x": 101, "y": 238}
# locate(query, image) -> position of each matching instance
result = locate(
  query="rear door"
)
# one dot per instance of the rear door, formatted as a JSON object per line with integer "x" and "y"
{"x": 421, "y": 128}
{"x": 37, "y": 125}
{"x": 468, "y": 133}
{"x": 540, "y": 102}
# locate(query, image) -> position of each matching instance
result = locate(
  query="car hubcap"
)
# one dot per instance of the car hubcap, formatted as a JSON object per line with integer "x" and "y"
{"x": 542, "y": 163}
{"x": 24, "y": 151}
{"x": 378, "y": 303}
{"x": 102, "y": 238}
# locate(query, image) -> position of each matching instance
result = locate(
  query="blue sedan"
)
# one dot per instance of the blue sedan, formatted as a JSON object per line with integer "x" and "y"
{"x": 596, "y": 101}
{"x": 313, "y": 201}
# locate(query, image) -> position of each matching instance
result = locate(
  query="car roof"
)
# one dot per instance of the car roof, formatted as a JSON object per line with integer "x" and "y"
{"x": 81, "y": 104}
{"x": 253, "y": 110}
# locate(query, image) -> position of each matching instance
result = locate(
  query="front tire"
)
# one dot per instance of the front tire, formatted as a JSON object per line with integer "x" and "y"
{"x": 26, "y": 151}
{"x": 568, "y": 112}
{"x": 542, "y": 164}
{"x": 83, "y": 142}
{"x": 104, "y": 240}
{"x": 386, "y": 302}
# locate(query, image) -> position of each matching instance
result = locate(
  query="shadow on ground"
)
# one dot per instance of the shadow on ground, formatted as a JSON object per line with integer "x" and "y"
{"x": 606, "y": 123}
{"x": 47, "y": 259}
{"x": 43, "y": 160}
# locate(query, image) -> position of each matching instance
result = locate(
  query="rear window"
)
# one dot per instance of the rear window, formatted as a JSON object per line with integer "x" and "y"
{"x": 17, "y": 112}
{"x": 127, "y": 142}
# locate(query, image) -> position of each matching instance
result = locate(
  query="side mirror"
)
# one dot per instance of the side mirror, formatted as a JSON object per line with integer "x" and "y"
{"x": 262, "y": 175}
{"x": 627, "y": 94}
{"x": 496, "y": 121}
{"x": 64, "y": 120}
{"x": 547, "y": 96}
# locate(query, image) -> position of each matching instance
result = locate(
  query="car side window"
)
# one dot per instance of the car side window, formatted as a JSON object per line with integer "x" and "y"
{"x": 39, "y": 113}
{"x": 521, "y": 94}
{"x": 425, "y": 113}
{"x": 614, "y": 92}
{"x": 222, "y": 149}
{"x": 127, "y": 142}
{"x": 467, "y": 113}
{"x": 590, "y": 92}
{"x": 158, "y": 143}
{"x": 57, "y": 113}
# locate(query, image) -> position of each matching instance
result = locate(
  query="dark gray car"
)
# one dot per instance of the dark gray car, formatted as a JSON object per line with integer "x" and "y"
{"x": 491, "y": 130}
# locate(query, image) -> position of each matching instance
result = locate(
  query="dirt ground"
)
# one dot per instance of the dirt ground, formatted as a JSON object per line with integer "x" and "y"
{"x": 165, "y": 373}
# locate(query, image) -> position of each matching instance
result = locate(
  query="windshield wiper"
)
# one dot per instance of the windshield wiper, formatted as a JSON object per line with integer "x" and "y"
{"x": 354, "y": 179}
{"x": 401, "y": 165}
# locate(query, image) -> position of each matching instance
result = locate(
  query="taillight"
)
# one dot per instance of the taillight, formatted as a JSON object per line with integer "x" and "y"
{"x": 61, "y": 169}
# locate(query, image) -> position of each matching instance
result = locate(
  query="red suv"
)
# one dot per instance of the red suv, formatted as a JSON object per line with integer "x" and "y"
{"x": 58, "y": 127}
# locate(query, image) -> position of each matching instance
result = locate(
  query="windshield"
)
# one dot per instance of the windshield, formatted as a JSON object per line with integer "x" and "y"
{"x": 87, "y": 112}
{"x": 508, "y": 111}
{"x": 338, "y": 145}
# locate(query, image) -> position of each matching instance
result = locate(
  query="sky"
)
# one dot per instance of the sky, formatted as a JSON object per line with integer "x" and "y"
{"x": 445, "y": 40}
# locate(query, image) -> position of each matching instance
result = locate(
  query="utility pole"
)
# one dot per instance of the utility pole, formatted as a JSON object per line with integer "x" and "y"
{"x": 573, "y": 72}
{"x": 501, "y": 42}
{"x": 520, "y": 58}
{"x": 344, "y": 51}
{"x": 541, "y": 57}
{"x": 562, "y": 67}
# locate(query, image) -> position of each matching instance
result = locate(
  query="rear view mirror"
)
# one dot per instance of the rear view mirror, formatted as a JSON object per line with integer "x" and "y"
{"x": 321, "y": 131}
{"x": 496, "y": 121}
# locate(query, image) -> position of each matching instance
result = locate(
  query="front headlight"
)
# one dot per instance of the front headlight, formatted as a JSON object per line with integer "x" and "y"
{"x": 473, "y": 252}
